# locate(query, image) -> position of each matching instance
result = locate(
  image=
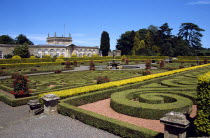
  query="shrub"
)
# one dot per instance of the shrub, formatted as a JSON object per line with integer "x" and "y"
{"x": 102, "y": 79}
{"x": 95, "y": 55}
{"x": 16, "y": 57}
{"x": 84, "y": 56}
{"x": 3, "y": 67}
{"x": 126, "y": 61}
{"x": 61, "y": 56}
{"x": 144, "y": 73}
{"x": 46, "y": 56}
{"x": 205, "y": 61}
{"x": 2, "y": 72}
{"x": 68, "y": 64}
{"x": 20, "y": 85}
{"x": 32, "y": 57}
{"x": 73, "y": 55}
{"x": 202, "y": 121}
{"x": 92, "y": 65}
{"x": 148, "y": 64}
{"x": 57, "y": 71}
{"x": 59, "y": 60}
{"x": 75, "y": 63}
{"x": 181, "y": 66}
{"x": 162, "y": 64}
{"x": 33, "y": 69}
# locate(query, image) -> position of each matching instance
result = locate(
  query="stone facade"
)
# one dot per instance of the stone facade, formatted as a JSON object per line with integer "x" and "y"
{"x": 59, "y": 40}
{"x": 53, "y": 50}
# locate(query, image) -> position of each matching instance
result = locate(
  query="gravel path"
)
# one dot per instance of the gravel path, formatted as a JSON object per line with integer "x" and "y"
{"x": 15, "y": 123}
{"x": 103, "y": 107}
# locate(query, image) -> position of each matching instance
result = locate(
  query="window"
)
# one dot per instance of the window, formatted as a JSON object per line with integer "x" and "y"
{"x": 1, "y": 54}
{"x": 45, "y": 52}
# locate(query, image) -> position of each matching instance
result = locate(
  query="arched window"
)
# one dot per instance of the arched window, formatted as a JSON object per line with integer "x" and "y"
{"x": 63, "y": 52}
{"x": 46, "y": 52}
{"x": 58, "y": 52}
{"x": 39, "y": 53}
{"x": 1, "y": 55}
{"x": 51, "y": 52}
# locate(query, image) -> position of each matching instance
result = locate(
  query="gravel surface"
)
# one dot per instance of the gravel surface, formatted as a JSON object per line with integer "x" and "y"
{"x": 15, "y": 123}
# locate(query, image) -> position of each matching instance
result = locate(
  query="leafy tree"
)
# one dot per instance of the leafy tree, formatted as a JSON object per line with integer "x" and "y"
{"x": 192, "y": 34}
{"x": 167, "y": 49}
{"x": 125, "y": 43}
{"x": 165, "y": 30}
{"x": 105, "y": 43}
{"x": 149, "y": 40}
{"x": 137, "y": 44}
{"x": 22, "y": 39}
{"x": 5, "y": 39}
{"x": 153, "y": 29}
{"x": 22, "y": 51}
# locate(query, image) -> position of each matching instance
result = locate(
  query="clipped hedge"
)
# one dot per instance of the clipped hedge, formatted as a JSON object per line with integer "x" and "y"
{"x": 16, "y": 102}
{"x": 153, "y": 107}
{"x": 202, "y": 121}
{"x": 85, "y": 89}
{"x": 29, "y": 64}
{"x": 26, "y": 60}
{"x": 109, "y": 124}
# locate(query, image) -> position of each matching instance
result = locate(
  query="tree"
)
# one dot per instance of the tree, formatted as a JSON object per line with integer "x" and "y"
{"x": 125, "y": 42}
{"x": 136, "y": 44}
{"x": 149, "y": 40}
{"x": 165, "y": 30}
{"x": 167, "y": 49}
{"x": 22, "y": 51}
{"x": 153, "y": 29}
{"x": 192, "y": 34}
{"x": 22, "y": 39}
{"x": 105, "y": 43}
{"x": 5, "y": 39}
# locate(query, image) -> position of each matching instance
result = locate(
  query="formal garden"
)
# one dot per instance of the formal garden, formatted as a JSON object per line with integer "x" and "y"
{"x": 146, "y": 87}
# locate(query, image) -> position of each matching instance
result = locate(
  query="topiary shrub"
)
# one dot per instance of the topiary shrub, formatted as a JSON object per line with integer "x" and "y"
{"x": 73, "y": 55}
{"x": 16, "y": 57}
{"x": 57, "y": 71}
{"x": 46, "y": 56}
{"x": 92, "y": 65}
{"x": 59, "y": 60}
{"x": 68, "y": 64}
{"x": 84, "y": 56}
{"x": 33, "y": 69}
{"x": 144, "y": 73}
{"x": 20, "y": 86}
{"x": 102, "y": 79}
{"x": 32, "y": 57}
{"x": 148, "y": 64}
{"x": 95, "y": 55}
{"x": 181, "y": 66}
{"x": 126, "y": 61}
{"x": 162, "y": 64}
{"x": 205, "y": 61}
{"x": 202, "y": 121}
{"x": 61, "y": 56}
{"x": 75, "y": 63}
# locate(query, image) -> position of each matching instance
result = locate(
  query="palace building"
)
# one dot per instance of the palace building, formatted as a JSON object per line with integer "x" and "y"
{"x": 55, "y": 46}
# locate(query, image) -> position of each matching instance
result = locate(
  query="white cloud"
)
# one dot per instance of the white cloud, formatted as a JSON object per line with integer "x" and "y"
{"x": 201, "y": 2}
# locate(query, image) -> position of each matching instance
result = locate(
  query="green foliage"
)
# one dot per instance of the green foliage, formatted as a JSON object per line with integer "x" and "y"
{"x": 5, "y": 39}
{"x": 95, "y": 55}
{"x": 202, "y": 121}
{"x": 73, "y": 55}
{"x": 105, "y": 43}
{"x": 22, "y": 51}
{"x": 192, "y": 34}
{"x": 46, "y": 56}
{"x": 16, "y": 57}
{"x": 22, "y": 40}
{"x": 32, "y": 57}
{"x": 137, "y": 44}
{"x": 59, "y": 60}
{"x": 61, "y": 56}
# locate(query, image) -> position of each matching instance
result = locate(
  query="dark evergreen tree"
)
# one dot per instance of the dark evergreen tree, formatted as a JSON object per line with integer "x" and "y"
{"x": 125, "y": 42}
{"x": 22, "y": 39}
{"x": 192, "y": 34}
{"x": 22, "y": 51}
{"x": 5, "y": 39}
{"x": 105, "y": 43}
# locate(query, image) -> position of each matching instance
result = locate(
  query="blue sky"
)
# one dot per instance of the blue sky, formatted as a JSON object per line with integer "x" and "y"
{"x": 87, "y": 19}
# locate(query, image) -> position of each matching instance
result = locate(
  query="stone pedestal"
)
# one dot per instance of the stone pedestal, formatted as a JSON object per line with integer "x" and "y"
{"x": 50, "y": 103}
{"x": 175, "y": 125}
{"x": 34, "y": 106}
